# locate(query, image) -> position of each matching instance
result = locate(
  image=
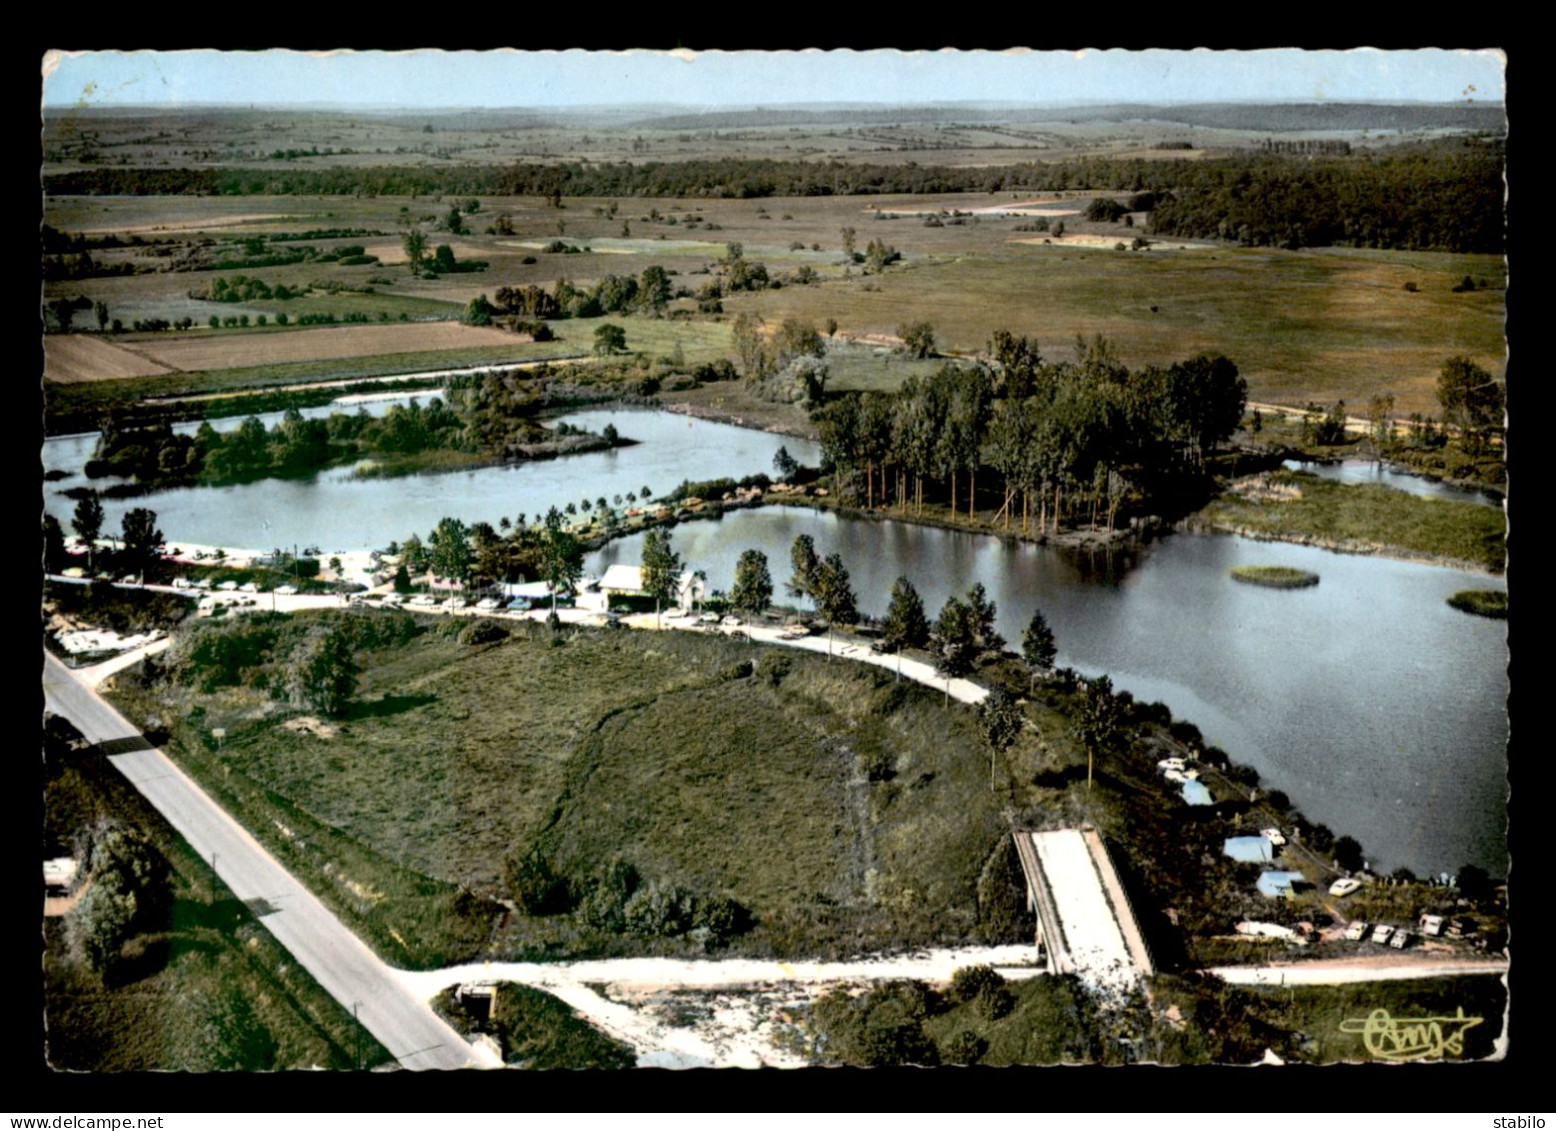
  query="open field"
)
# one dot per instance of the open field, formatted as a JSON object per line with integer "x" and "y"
{"x": 87, "y": 357}
{"x": 326, "y": 343}
{"x": 434, "y": 772}
{"x": 1316, "y": 324}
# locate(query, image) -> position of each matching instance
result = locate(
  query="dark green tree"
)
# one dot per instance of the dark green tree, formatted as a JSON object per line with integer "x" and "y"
{"x": 918, "y": 338}
{"x": 802, "y": 557}
{"x": 415, "y": 244}
{"x": 905, "y": 625}
{"x": 1471, "y": 398}
{"x": 983, "y": 611}
{"x": 1348, "y": 853}
{"x": 999, "y": 723}
{"x": 834, "y": 595}
{"x": 661, "y": 567}
{"x": 654, "y": 288}
{"x": 561, "y": 558}
{"x": 142, "y": 539}
{"x": 1101, "y": 719}
{"x": 609, "y": 339}
{"x": 130, "y": 892}
{"x": 321, "y": 674}
{"x": 955, "y": 640}
{"x": 785, "y": 464}
{"x": 1038, "y": 647}
{"x": 753, "y": 589}
{"x": 448, "y": 550}
{"x": 53, "y": 545}
{"x": 88, "y": 524}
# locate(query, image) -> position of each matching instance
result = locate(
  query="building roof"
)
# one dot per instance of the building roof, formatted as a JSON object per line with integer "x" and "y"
{"x": 623, "y": 579}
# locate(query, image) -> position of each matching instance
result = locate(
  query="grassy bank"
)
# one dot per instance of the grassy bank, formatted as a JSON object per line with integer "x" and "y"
{"x": 747, "y": 786}
{"x": 1228, "y": 1024}
{"x": 1363, "y": 518}
{"x": 210, "y": 991}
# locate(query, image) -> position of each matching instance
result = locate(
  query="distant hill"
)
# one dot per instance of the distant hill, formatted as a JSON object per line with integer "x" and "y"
{"x": 1274, "y": 116}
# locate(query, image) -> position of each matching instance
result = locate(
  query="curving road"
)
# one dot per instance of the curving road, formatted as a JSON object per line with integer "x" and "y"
{"x": 320, "y": 943}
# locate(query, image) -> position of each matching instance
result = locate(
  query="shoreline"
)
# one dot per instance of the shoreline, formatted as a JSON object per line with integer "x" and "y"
{"x": 1194, "y": 524}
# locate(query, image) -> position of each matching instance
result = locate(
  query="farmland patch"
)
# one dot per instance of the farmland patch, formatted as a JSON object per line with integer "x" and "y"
{"x": 86, "y": 357}
{"x": 236, "y": 351}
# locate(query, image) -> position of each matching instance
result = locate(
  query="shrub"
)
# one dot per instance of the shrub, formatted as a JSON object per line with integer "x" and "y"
{"x": 964, "y": 1048}
{"x": 534, "y": 885}
{"x": 483, "y": 632}
{"x": 777, "y": 668}
{"x": 972, "y": 982}
{"x": 612, "y": 886}
{"x": 660, "y": 909}
{"x": 995, "y": 1003}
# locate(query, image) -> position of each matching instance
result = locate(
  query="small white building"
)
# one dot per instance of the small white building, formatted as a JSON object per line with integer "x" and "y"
{"x": 627, "y": 581}
{"x": 59, "y": 875}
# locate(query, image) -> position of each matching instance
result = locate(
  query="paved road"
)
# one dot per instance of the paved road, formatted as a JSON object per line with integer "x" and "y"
{"x": 1340, "y": 971}
{"x": 337, "y": 959}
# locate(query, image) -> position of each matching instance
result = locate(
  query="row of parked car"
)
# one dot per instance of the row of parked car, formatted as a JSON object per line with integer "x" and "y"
{"x": 229, "y": 586}
{"x": 428, "y": 601}
{"x": 1429, "y": 926}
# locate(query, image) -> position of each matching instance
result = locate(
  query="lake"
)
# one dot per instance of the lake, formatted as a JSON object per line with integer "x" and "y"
{"x": 1375, "y": 706}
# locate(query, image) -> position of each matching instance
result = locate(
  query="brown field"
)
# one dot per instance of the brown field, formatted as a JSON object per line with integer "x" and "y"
{"x": 236, "y": 351}
{"x": 393, "y": 251}
{"x": 87, "y": 357}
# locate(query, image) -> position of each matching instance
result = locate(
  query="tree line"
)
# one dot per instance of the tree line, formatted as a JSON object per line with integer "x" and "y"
{"x": 1061, "y": 434}
{"x": 1448, "y": 199}
{"x": 1444, "y": 194}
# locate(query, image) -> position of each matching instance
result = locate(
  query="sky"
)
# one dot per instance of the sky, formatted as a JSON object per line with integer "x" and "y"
{"x": 495, "y": 79}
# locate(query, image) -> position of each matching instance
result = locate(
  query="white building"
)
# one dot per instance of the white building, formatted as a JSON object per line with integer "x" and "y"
{"x": 627, "y": 581}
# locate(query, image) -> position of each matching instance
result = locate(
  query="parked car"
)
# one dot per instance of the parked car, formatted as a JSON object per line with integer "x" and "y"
{"x": 181, "y": 583}
{"x": 1357, "y": 930}
{"x": 731, "y": 621}
{"x": 1382, "y": 933}
{"x": 1432, "y": 925}
{"x": 286, "y": 590}
{"x": 1344, "y": 887}
{"x": 1274, "y": 836}
{"x": 487, "y": 603}
{"x": 248, "y": 587}
{"x": 708, "y": 618}
{"x": 228, "y": 587}
{"x": 1402, "y": 938}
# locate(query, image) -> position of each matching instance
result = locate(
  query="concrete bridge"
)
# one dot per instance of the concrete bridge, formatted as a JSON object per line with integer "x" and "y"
{"x": 1084, "y": 921}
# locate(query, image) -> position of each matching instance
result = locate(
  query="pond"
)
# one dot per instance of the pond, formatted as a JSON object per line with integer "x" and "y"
{"x": 337, "y": 511}
{"x": 1371, "y": 471}
{"x": 1373, "y": 704}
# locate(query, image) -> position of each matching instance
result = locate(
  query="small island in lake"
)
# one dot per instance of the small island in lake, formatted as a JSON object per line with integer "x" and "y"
{"x": 1481, "y": 602}
{"x": 1274, "y": 577}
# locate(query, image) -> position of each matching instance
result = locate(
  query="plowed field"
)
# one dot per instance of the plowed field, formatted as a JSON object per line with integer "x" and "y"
{"x": 88, "y": 357}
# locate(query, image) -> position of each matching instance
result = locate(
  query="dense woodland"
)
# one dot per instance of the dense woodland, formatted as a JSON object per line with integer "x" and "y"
{"x": 1445, "y": 195}
{"x": 1065, "y": 437}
